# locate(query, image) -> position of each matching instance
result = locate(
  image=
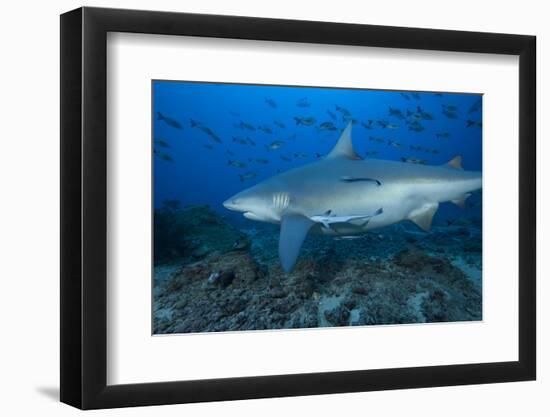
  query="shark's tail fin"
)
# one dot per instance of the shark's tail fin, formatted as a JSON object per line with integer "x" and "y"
{"x": 160, "y": 116}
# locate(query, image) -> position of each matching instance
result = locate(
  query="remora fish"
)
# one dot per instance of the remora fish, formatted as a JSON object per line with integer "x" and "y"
{"x": 329, "y": 218}
{"x": 407, "y": 192}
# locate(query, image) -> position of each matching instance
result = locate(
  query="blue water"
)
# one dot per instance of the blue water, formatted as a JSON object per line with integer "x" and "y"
{"x": 185, "y": 169}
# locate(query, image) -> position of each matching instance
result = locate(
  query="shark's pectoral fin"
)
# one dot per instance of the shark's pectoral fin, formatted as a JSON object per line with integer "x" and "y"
{"x": 423, "y": 216}
{"x": 461, "y": 202}
{"x": 294, "y": 228}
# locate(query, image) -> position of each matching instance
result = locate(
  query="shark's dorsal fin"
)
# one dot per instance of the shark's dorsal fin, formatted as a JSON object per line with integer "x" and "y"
{"x": 455, "y": 163}
{"x": 423, "y": 216}
{"x": 344, "y": 146}
{"x": 294, "y": 228}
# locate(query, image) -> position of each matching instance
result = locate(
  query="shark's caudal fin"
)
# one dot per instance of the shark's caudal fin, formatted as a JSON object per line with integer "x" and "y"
{"x": 160, "y": 116}
{"x": 455, "y": 163}
{"x": 294, "y": 228}
{"x": 423, "y": 216}
{"x": 344, "y": 146}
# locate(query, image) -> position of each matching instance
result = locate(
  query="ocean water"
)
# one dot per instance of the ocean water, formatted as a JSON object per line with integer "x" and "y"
{"x": 218, "y": 271}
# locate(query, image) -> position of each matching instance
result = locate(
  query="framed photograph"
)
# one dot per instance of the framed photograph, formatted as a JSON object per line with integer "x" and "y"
{"x": 256, "y": 208}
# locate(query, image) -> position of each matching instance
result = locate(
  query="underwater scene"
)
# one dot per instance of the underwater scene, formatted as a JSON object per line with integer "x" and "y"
{"x": 287, "y": 207}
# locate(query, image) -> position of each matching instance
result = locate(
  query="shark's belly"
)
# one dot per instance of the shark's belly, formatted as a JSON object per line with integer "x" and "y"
{"x": 395, "y": 201}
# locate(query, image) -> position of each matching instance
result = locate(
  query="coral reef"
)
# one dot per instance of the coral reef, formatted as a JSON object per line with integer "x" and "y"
{"x": 210, "y": 276}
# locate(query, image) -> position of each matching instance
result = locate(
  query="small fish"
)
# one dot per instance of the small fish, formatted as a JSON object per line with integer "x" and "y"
{"x": 244, "y": 125}
{"x": 258, "y": 161}
{"x": 360, "y": 179}
{"x": 415, "y": 147}
{"x": 442, "y": 135}
{"x": 239, "y": 140}
{"x": 369, "y": 125}
{"x": 473, "y": 123}
{"x": 416, "y": 127}
{"x": 265, "y": 129}
{"x": 392, "y": 126}
{"x": 279, "y": 124}
{"x": 230, "y": 153}
{"x": 434, "y": 151}
{"x": 236, "y": 164}
{"x": 416, "y": 96}
{"x": 248, "y": 176}
{"x": 438, "y": 95}
{"x": 475, "y": 107}
{"x": 166, "y": 157}
{"x": 449, "y": 107}
{"x": 250, "y": 141}
{"x": 344, "y": 112}
{"x": 303, "y": 102}
{"x": 371, "y": 153}
{"x": 331, "y": 114}
{"x": 162, "y": 143}
{"x": 413, "y": 116}
{"x": 382, "y": 123}
{"x": 275, "y": 145}
{"x": 271, "y": 102}
{"x": 300, "y": 155}
{"x": 318, "y": 155}
{"x": 208, "y": 146}
{"x": 396, "y": 113}
{"x": 210, "y": 133}
{"x": 395, "y": 144}
{"x": 378, "y": 139}
{"x": 194, "y": 123}
{"x": 305, "y": 121}
{"x": 169, "y": 121}
{"x": 423, "y": 115}
{"x": 172, "y": 204}
{"x": 326, "y": 126}
{"x": 413, "y": 160}
{"x": 285, "y": 158}
{"x": 450, "y": 114}
{"x": 405, "y": 96}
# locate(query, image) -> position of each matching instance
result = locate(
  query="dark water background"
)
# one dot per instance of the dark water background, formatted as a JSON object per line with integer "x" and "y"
{"x": 199, "y": 175}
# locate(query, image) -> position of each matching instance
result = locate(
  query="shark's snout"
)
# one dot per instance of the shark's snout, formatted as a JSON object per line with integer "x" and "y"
{"x": 230, "y": 204}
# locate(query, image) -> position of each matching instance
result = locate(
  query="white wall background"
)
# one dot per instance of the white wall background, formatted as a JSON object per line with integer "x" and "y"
{"x": 29, "y": 238}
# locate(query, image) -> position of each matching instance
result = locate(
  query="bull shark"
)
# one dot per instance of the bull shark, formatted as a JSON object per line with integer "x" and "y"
{"x": 329, "y": 195}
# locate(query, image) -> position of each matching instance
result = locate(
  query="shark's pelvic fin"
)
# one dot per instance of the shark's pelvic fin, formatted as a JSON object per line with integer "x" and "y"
{"x": 455, "y": 163}
{"x": 294, "y": 228}
{"x": 344, "y": 146}
{"x": 461, "y": 202}
{"x": 423, "y": 216}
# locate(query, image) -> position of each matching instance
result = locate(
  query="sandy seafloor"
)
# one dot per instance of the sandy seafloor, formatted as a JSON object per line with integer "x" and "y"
{"x": 222, "y": 278}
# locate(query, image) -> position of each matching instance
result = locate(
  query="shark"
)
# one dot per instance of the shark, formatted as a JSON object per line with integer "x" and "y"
{"x": 344, "y": 195}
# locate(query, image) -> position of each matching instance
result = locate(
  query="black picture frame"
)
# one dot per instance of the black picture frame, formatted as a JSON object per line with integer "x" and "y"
{"x": 84, "y": 207}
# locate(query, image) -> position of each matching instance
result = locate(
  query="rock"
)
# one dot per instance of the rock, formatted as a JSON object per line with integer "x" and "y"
{"x": 338, "y": 316}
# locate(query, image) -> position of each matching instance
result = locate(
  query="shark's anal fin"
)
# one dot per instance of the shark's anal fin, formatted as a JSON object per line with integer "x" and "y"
{"x": 294, "y": 228}
{"x": 423, "y": 216}
{"x": 461, "y": 202}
